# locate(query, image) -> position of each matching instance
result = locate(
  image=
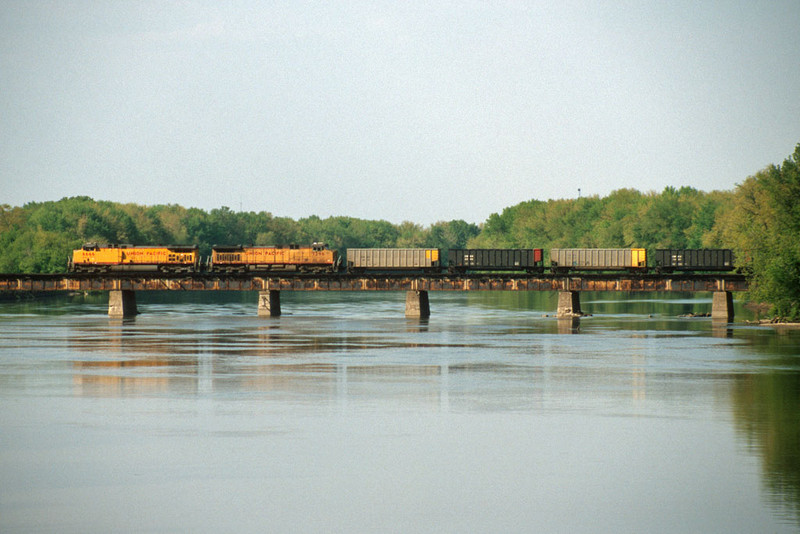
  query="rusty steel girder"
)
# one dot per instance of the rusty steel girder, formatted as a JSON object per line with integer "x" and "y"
{"x": 483, "y": 282}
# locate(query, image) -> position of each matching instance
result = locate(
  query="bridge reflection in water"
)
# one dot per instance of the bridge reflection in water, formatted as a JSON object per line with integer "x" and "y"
{"x": 122, "y": 287}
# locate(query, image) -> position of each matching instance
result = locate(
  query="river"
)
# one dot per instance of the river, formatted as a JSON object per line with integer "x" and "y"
{"x": 344, "y": 416}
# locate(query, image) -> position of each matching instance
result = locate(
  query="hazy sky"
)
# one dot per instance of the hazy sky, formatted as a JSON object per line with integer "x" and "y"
{"x": 419, "y": 111}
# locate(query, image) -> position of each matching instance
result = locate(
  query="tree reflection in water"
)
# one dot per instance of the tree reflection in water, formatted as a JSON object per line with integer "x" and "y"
{"x": 766, "y": 406}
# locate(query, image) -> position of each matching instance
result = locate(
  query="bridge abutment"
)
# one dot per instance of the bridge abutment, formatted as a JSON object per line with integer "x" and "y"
{"x": 269, "y": 303}
{"x": 722, "y": 306}
{"x": 122, "y": 303}
{"x": 417, "y": 304}
{"x": 569, "y": 304}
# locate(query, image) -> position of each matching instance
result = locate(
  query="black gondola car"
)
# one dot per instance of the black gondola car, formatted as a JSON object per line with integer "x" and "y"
{"x": 491, "y": 259}
{"x": 668, "y": 260}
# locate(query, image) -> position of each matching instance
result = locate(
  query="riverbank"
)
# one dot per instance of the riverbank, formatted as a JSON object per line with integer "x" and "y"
{"x": 777, "y": 321}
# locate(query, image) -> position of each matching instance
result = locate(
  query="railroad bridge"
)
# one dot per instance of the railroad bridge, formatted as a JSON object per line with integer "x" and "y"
{"x": 122, "y": 287}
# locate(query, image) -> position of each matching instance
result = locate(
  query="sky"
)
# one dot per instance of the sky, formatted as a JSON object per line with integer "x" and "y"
{"x": 401, "y": 111}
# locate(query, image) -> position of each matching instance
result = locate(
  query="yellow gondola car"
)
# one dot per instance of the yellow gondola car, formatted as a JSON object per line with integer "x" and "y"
{"x": 314, "y": 258}
{"x": 92, "y": 257}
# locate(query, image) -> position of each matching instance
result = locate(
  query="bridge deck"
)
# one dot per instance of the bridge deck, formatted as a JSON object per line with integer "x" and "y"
{"x": 382, "y": 282}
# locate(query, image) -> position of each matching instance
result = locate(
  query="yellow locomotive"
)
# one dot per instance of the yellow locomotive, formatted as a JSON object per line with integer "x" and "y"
{"x": 95, "y": 258}
{"x": 314, "y": 258}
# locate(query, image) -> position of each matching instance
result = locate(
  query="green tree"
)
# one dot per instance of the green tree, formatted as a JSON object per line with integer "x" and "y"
{"x": 764, "y": 227}
{"x": 452, "y": 234}
{"x": 614, "y": 227}
{"x": 410, "y": 235}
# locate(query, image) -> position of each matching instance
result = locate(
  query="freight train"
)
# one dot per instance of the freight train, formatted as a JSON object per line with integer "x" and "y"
{"x": 318, "y": 258}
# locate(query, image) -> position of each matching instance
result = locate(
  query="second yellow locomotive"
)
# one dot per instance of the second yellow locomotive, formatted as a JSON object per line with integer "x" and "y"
{"x": 239, "y": 259}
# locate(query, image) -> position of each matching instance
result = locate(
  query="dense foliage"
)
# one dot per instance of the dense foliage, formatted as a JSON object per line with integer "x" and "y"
{"x": 675, "y": 218}
{"x": 760, "y": 220}
{"x": 39, "y": 237}
{"x": 763, "y": 225}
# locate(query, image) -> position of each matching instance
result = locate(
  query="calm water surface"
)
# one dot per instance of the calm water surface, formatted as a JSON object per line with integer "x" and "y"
{"x": 343, "y": 416}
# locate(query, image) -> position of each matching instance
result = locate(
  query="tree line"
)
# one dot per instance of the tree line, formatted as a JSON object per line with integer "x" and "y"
{"x": 760, "y": 220}
{"x": 39, "y": 236}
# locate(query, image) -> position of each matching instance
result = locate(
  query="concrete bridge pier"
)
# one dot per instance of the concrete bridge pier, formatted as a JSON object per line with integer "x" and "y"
{"x": 417, "y": 304}
{"x": 722, "y": 306}
{"x": 122, "y": 303}
{"x": 569, "y": 304}
{"x": 269, "y": 303}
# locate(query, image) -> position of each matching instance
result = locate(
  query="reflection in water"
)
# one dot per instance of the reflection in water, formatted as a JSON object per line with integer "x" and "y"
{"x": 639, "y": 377}
{"x": 767, "y": 409}
{"x": 608, "y": 303}
{"x": 721, "y": 329}
{"x": 127, "y": 360}
{"x": 269, "y": 361}
{"x": 481, "y": 409}
{"x": 416, "y": 325}
{"x": 569, "y": 325}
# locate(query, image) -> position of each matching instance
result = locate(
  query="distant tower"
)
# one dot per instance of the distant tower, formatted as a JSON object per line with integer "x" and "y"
{"x": 579, "y": 192}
